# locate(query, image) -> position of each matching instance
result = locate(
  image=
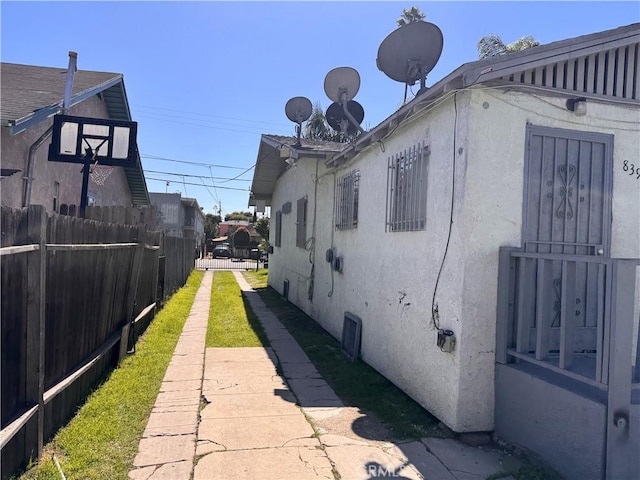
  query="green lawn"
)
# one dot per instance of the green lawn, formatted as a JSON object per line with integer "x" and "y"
{"x": 231, "y": 320}
{"x": 102, "y": 439}
{"x": 356, "y": 383}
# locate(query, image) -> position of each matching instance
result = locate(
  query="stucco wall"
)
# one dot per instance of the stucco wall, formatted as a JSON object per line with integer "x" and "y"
{"x": 493, "y": 204}
{"x": 389, "y": 278}
{"x": 15, "y": 151}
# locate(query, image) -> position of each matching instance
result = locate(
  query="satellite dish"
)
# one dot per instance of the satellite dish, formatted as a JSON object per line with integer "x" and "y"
{"x": 342, "y": 82}
{"x": 410, "y": 52}
{"x": 298, "y": 109}
{"x": 338, "y": 119}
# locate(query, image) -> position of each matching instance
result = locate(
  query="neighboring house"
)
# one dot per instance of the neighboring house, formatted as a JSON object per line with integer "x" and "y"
{"x": 31, "y": 95}
{"x": 180, "y": 217}
{"x": 228, "y": 229}
{"x": 427, "y": 220}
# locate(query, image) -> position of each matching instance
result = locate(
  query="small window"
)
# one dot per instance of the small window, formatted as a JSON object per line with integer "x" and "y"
{"x": 278, "y": 240}
{"x": 56, "y": 197}
{"x": 346, "y": 208}
{"x": 407, "y": 190}
{"x": 301, "y": 223}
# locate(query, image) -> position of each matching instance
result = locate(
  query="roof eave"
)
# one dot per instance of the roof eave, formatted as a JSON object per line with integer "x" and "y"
{"x": 481, "y": 71}
{"x": 42, "y": 114}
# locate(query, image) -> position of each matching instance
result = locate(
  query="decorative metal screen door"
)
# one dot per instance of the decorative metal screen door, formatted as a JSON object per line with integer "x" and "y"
{"x": 567, "y": 212}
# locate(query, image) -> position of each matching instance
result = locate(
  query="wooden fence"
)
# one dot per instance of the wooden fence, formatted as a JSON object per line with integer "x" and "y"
{"x": 75, "y": 295}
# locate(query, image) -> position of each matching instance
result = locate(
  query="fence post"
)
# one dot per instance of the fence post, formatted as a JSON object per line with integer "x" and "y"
{"x": 622, "y": 461}
{"x": 506, "y": 274}
{"x": 36, "y": 302}
{"x": 127, "y": 329}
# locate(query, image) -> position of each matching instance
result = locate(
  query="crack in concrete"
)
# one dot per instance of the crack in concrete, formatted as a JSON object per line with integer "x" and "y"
{"x": 156, "y": 435}
{"x": 206, "y": 440}
{"x": 297, "y": 438}
{"x": 155, "y": 467}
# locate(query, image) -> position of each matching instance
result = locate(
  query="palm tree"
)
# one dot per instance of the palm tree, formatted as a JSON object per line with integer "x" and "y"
{"x": 317, "y": 128}
{"x": 492, "y": 45}
{"x": 410, "y": 16}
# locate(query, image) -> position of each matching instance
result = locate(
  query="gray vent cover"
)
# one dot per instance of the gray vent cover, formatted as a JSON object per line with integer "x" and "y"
{"x": 286, "y": 207}
{"x": 351, "y": 332}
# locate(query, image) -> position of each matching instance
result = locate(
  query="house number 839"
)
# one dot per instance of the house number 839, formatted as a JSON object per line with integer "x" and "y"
{"x": 631, "y": 169}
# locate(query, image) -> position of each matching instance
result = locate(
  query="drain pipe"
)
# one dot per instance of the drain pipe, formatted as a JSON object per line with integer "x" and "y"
{"x": 68, "y": 88}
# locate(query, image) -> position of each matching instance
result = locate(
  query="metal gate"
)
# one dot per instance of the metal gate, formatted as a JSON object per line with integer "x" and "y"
{"x": 569, "y": 309}
{"x": 567, "y": 212}
{"x": 230, "y": 263}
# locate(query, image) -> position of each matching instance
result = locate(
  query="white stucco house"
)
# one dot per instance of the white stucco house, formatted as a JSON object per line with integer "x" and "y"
{"x": 503, "y": 206}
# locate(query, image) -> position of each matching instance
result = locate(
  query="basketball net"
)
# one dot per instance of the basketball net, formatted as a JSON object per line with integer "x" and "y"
{"x": 100, "y": 173}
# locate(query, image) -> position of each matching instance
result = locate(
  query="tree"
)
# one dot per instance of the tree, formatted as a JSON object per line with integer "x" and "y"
{"x": 317, "y": 128}
{"x": 248, "y": 216}
{"x": 211, "y": 225}
{"x": 410, "y": 16}
{"x": 262, "y": 227}
{"x": 492, "y": 45}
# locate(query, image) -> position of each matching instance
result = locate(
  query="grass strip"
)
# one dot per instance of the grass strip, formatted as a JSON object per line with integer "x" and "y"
{"x": 232, "y": 323}
{"x": 356, "y": 383}
{"x": 102, "y": 439}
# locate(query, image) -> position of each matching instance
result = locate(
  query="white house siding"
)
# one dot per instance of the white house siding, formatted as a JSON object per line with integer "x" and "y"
{"x": 15, "y": 151}
{"x": 389, "y": 278}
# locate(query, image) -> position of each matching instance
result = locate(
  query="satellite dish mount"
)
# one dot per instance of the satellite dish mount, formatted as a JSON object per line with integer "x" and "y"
{"x": 410, "y": 52}
{"x": 298, "y": 110}
{"x": 341, "y": 85}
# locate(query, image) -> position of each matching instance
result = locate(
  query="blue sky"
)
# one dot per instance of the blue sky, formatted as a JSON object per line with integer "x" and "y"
{"x": 205, "y": 79}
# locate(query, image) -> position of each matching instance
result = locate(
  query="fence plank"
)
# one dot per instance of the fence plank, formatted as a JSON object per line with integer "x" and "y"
{"x": 18, "y": 249}
{"x": 14, "y": 427}
{"x": 36, "y": 271}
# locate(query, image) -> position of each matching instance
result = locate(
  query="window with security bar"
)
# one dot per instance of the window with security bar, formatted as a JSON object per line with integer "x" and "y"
{"x": 407, "y": 190}
{"x": 346, "y": 208}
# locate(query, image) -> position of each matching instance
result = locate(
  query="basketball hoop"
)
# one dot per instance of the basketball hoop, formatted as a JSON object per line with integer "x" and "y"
{"x": 100, "y": 173}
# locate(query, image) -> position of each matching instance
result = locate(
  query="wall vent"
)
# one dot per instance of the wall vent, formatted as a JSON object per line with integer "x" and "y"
{"x": 286, "y": 207}
{"x": 285, "y": 290}
{"x": 351, "y": 333}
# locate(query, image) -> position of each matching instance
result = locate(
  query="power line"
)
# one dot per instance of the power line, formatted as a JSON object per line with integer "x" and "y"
{"x": 154, "y": 157}
{"x": 254, "y": 132}
{"x": 198, "y": 176}
{"x": 210, "y": 115}
{"x": 197, "y": 184}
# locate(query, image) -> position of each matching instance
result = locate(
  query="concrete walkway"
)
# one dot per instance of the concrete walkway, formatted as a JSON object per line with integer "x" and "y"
{"x": 268, "y": 414}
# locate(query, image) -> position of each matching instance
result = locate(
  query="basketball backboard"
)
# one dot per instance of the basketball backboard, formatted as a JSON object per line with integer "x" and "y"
{"x": 93, "y": 140}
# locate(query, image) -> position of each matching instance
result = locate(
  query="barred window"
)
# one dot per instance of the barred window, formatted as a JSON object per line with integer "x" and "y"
{"x": 346, "y": 208}
{"x": 278, "y": 241}
{"x": 407, "y": 190}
